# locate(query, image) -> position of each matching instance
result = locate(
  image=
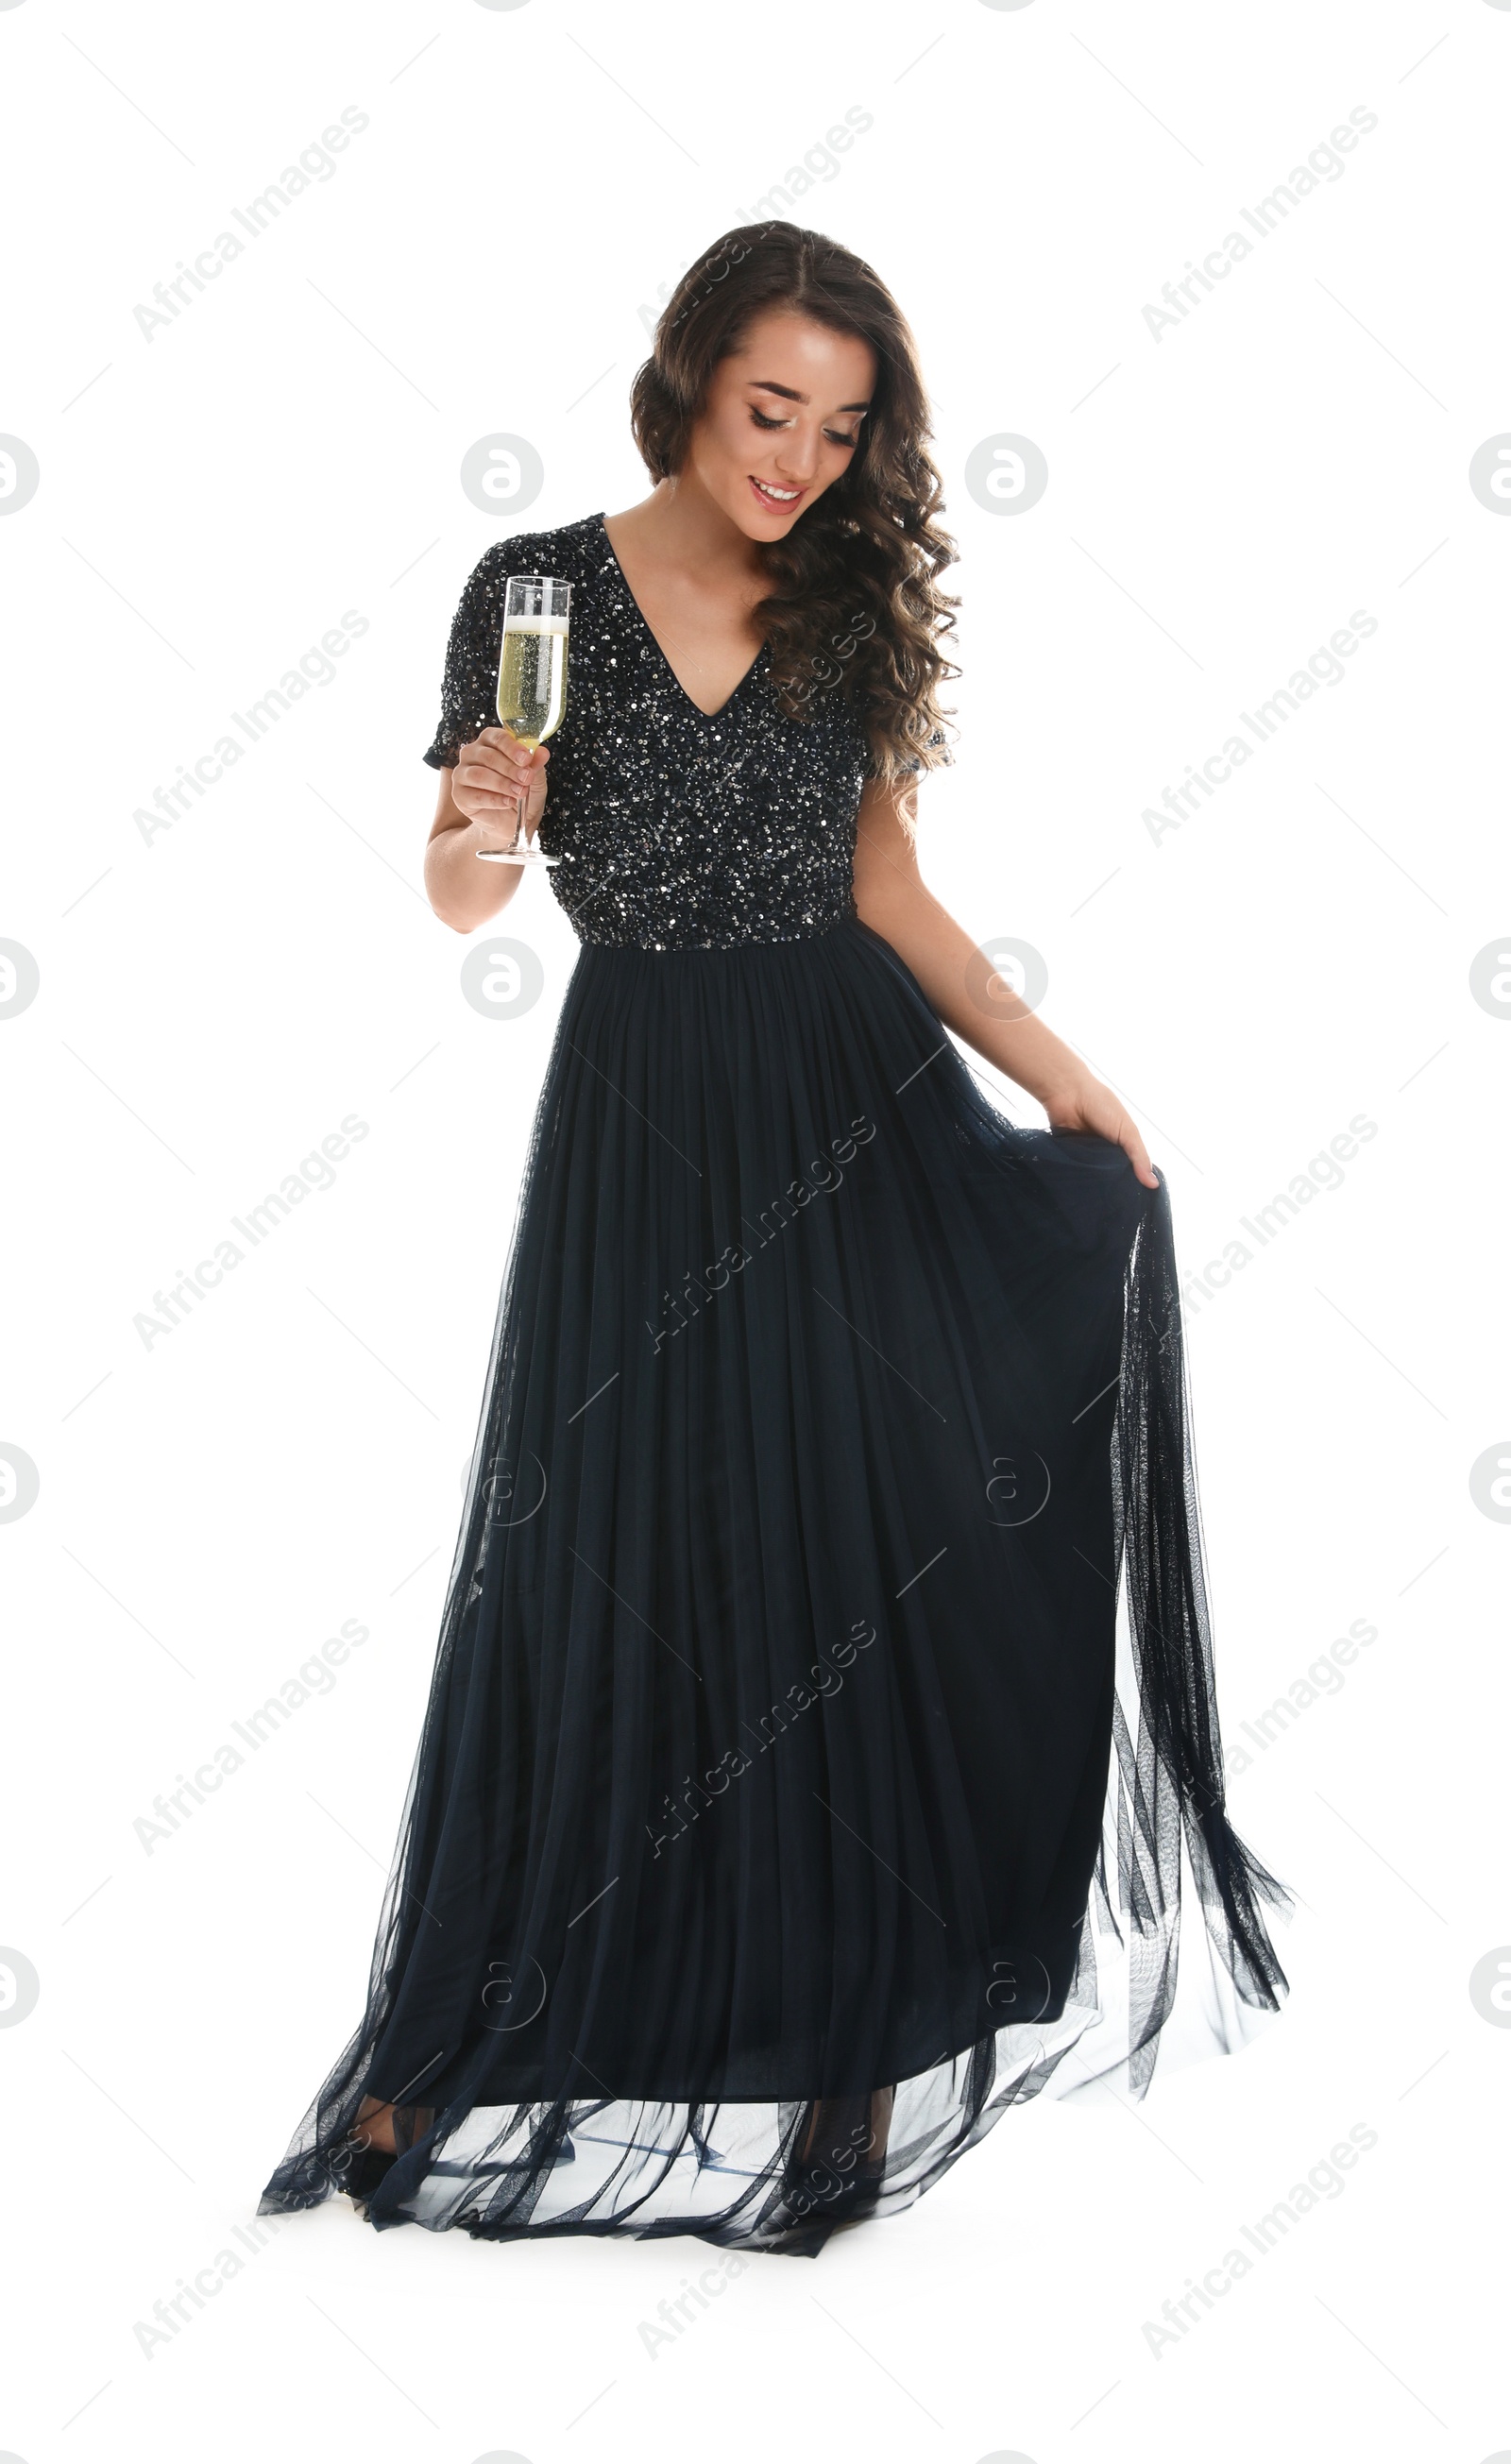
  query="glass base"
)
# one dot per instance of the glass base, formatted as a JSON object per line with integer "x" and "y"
{"x": 529, "y": 854}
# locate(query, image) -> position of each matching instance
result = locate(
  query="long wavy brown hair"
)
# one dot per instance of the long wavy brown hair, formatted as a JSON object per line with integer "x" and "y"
{"x": 855, "y": 602}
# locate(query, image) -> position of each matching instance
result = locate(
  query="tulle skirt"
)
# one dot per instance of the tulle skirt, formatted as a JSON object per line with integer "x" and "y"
{"x": 784, "y": 1744}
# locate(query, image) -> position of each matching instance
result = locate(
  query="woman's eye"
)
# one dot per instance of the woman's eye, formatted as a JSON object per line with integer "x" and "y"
{"x": 761, "y": 421}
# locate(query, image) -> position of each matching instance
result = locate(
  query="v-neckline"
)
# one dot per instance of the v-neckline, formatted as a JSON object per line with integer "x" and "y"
{"x": 661, "y": 655}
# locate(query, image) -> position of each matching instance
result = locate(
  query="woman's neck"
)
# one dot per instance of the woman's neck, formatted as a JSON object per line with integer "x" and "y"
{"x": 680, "y": 527}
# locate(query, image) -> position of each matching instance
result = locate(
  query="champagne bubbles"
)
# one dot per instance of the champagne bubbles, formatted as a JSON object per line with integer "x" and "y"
{"x": 1490, "y": 1481}
{"x": 1006, "y": 474}
{"x": 502, "y": 475}
{"x": 1003, "y": 971}
{"x": 502, "y": 979}
{"x": 1490, "y": 464}
{"x": 19, "y": 1987}
{"x": 1489, "y": 977}
{"x": 19, "y": 979}
{"x": 19, "y": 468}
{"x": 1489, "y": 1986}
{"x": 20, "y": 1483}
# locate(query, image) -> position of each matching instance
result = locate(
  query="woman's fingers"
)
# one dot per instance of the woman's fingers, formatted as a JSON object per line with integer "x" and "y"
{"x": 1137, "y": 1154}
{"x": 496, "y": 750}
{"x": 1092, "y": 1105}
{"x": 499, "y": 752}
{"x": 498, "y": 765}
{"x": 1120, "y": 1128}
{"x": 493, "y": 773}
{"x": 476, "y": 801}
{"x": 485, "y": 781}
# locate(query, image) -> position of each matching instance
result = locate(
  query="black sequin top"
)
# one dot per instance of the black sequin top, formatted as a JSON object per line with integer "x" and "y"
{"x": 674, "y": 829}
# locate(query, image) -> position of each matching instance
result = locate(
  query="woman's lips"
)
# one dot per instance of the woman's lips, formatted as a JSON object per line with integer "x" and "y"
{"x": 775, "y": 504}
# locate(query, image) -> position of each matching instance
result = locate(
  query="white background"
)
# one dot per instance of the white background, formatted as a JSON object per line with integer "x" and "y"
{"x": 213, "y": 1001}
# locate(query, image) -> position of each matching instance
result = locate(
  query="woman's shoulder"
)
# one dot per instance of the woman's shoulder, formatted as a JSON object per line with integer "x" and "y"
{"x": 570, "y": 552}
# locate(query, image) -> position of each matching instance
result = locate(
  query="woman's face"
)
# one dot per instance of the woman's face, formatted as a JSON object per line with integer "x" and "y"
{"x": 781, "y": 420}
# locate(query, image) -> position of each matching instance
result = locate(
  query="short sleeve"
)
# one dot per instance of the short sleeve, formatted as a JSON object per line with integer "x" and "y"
{"x": 470, "y": 684}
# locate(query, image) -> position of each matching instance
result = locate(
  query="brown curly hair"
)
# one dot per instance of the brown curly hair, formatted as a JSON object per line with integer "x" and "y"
{"x": 855, "y": 601}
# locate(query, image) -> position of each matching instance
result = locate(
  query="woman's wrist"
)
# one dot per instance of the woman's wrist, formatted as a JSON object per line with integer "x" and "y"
{"x": 1034, "y": 1057}
{"x": 463, "y": 892}
{"x": 1062, "y": 1087}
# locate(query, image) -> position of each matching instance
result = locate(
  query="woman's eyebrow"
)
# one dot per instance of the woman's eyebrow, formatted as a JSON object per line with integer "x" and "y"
{"x": 764, "y": 385}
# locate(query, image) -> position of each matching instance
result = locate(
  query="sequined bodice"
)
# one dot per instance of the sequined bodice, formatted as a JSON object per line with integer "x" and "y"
{"x": 674, "y": 829}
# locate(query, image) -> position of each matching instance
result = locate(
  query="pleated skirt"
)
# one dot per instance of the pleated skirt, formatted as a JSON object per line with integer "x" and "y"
{"x": 785, "y": 1743}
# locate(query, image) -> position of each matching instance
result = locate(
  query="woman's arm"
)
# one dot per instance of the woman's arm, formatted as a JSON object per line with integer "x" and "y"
{"x": 890, "y": 898}
{"x": 475, "y": 808}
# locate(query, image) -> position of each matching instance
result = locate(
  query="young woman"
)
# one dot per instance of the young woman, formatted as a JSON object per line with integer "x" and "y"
{"x": 784, "y": 1809}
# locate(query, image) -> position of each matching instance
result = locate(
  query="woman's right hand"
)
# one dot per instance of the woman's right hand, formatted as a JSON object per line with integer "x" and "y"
{"x": 490, "y": 775}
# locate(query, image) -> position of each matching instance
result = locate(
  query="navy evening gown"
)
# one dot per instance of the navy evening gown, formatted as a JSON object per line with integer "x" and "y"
{"x": 785, "y": 1743}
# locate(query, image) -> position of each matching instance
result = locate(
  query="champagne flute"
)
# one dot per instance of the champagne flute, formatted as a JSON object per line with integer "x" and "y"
{"x": 532, "y": 683}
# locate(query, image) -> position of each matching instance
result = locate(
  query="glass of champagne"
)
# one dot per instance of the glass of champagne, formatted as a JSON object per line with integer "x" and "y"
{"x": 532, "y": 683}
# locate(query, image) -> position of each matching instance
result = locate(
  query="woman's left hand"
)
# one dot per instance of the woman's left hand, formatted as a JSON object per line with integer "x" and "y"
{"x": 1088, "y": 1105}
